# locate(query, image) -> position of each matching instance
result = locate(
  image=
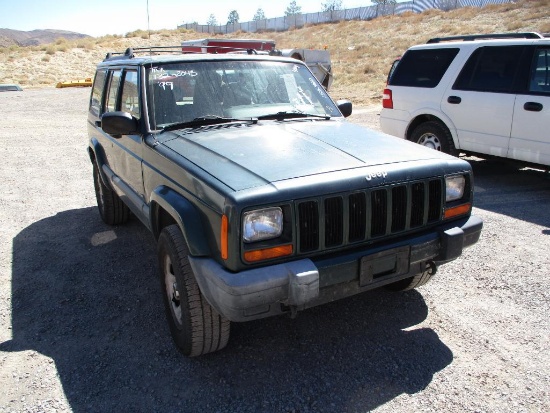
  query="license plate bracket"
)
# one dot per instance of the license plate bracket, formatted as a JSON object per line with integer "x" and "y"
{"x": 391, "y": 262}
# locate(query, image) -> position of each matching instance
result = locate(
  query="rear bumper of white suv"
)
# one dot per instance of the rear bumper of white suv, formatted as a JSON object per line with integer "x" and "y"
{"x": 394, "y": 122}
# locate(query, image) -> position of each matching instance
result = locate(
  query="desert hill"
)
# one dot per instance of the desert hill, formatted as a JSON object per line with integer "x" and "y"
{"x": 9, "y": 37}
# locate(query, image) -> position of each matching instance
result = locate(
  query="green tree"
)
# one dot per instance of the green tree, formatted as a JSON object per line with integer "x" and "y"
{"x": 332, "y": 5}
{"x": 293, "y": 9}
{"x": 212, "y": 20}
{"x": 233, "y": 17}
{"x": 260, "y": 15}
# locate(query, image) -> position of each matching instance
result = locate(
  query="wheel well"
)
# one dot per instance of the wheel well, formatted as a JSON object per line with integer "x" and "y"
{"x": 91, "y": 154}
{"x": 161, "y": 219}
{"x": 167, "y": 207}
{"x": 297, "y": 56}
{"x": 418, "y": 121}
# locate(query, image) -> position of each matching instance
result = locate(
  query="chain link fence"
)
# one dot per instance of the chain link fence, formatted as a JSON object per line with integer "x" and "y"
{"x": 359, "y": 13}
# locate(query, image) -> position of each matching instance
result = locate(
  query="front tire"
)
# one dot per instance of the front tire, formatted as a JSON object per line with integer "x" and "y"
{"x": 195, "y": 326}
{"x": 111, "y": 208}
{"x": 434, "y": 135}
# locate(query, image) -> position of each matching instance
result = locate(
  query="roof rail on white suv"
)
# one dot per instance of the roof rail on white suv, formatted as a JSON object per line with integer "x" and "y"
{"x": 483, "y": 94}
{"x": 469, "y": 37}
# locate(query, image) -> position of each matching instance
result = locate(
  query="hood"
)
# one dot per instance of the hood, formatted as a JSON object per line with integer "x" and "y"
{"x": 244, "y": 156}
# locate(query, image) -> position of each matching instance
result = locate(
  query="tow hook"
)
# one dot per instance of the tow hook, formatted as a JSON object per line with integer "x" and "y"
{"x": 429, "y": 268}
{"x": 290, "y": 310}
{"x": 293, "y": 312}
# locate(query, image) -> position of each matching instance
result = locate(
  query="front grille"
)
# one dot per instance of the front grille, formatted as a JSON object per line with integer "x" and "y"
{"x": 335, "y": 221}
{"x": 334, "y": 216}
{"x": 308, "y": 218}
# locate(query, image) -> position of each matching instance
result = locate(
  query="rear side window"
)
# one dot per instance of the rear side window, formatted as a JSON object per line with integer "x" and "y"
{"x": 97, "y": 92}
{"x": 491, "y": 69}
{"x": 540, "y": 72}
{"x": 422, "y": 68}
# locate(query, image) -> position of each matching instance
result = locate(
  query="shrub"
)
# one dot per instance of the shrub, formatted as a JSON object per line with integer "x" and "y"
{"x": 87, "y": 43}
{"x": 513, "y": 26}
{"x": 368, "y": 69}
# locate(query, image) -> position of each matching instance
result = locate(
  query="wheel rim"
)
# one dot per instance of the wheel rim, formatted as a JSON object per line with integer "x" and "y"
{"x": 172, "y": 291}
{"x": 430, "y": 141}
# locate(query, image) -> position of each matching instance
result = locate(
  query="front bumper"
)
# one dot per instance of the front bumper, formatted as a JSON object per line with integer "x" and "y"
{"x": 304, "y": 283}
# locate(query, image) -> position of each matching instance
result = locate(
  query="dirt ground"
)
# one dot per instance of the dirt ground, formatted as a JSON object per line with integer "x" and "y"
{"x": 83, "y": 329}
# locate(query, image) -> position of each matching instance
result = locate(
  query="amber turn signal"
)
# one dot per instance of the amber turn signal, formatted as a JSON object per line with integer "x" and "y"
{"x": 458, "y": 210}
{"x": 223, "y": 238}
{"x": 268, "y": 253}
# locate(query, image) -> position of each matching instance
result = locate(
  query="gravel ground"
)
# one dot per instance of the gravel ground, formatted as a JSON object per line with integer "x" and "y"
{"x": 83, "y": 328}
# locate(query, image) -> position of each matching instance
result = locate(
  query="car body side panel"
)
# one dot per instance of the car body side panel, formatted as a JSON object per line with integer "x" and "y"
{"x": 483, "y": 120}
{"x": 530, "y": 137}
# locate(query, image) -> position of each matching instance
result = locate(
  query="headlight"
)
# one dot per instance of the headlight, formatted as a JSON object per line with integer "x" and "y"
{"x": 262, "y": 224}
{"x": 454, "y": 187}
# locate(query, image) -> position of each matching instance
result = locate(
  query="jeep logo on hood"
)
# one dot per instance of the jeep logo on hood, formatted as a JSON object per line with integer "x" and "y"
{"x": 376, "y": 174}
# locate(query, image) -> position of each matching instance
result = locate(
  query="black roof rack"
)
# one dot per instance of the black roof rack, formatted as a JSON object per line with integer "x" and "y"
{"x": 470, "y": 37}
{"x": 228, "y": 49}
{"x": 131, "y": 52}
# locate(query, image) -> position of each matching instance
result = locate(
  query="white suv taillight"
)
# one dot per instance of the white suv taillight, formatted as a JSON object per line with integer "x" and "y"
{"x": 387, "y": 100}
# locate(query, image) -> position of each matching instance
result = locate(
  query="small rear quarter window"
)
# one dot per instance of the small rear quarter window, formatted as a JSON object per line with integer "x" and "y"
{"x": 422, "y": 67}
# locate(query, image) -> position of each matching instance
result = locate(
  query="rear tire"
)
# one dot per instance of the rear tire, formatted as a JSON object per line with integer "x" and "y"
{"x": 195, "y": 326}
{"x": 111, "y": 208}
{"x": 434, "y": 135}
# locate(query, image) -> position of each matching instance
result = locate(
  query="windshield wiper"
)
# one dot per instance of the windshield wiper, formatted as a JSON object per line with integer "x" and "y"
{"x": 291, "y": 115}
{"x": 205, "y": 121}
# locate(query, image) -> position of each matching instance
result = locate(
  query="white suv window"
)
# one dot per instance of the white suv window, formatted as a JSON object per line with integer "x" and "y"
{"x": 540, "y": 76}
{"x": 422, "y": 68}
{"x": 491, "y": 69}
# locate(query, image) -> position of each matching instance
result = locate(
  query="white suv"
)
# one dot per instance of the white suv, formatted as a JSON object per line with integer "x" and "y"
{"x": 479, "y": 94}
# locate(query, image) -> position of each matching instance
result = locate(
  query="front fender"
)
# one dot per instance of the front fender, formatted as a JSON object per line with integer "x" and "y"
{"x": 96, "y": 154}
{"x": 185, "y": 214}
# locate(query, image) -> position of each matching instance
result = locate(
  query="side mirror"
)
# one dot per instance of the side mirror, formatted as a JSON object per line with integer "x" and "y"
{"x": 345, "y": 107}
{"x": 119, "y": 123}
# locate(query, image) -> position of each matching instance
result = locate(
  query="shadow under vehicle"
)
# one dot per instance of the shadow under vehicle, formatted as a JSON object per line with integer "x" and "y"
{"x": 88, "y": 299}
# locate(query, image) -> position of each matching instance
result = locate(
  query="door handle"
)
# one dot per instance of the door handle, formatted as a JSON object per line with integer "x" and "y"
{"x": 533, "y": 106}
{"x": 455, "y": 100}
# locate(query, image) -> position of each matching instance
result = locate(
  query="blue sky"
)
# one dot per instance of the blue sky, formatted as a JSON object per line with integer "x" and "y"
{"x": 101, "y": 17}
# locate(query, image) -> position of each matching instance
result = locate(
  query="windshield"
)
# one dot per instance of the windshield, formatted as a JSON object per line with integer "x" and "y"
{"x": 184, "y": 91}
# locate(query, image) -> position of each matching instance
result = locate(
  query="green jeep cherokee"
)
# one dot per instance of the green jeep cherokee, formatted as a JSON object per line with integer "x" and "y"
{"x": 264, "y": 200}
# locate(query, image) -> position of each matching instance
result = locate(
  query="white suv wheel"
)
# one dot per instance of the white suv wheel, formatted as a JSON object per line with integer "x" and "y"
{"x": 431, "y": 141}
{"x": 435, "y": 135}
